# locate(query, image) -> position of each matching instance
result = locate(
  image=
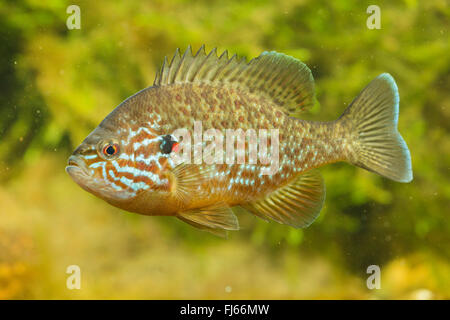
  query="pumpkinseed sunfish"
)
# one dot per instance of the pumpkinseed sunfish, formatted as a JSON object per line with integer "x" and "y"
{"x": 128, "y": 160}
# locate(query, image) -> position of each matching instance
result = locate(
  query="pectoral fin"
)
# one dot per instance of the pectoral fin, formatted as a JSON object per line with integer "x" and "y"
{"x": 297, "y": 204}
{"x": 215, "y": 219}
{"x": 188, "y": 178}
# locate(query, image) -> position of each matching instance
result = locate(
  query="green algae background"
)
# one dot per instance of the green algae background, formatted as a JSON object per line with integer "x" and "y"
{"x": 58, "y": 84}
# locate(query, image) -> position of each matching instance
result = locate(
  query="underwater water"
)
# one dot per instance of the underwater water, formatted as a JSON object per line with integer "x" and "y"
{"x": 59, "y": 81}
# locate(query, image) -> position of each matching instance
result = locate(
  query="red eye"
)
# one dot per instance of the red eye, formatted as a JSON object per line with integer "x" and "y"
{"x": 111, "y": 149}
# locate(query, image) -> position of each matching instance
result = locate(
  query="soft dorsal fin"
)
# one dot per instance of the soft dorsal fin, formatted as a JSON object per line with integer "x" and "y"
{"x": 216, "y": 218}
{"x": 284, "y": 80}
{"x": 297, "y": 204}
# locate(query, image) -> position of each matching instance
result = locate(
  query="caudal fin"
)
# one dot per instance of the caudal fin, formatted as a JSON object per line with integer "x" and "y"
{"x": 372, "y": 117}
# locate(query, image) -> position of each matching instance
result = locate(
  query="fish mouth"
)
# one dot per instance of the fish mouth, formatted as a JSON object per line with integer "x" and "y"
{"x": 79, "y": 172}
{"x": 75, "y": 165}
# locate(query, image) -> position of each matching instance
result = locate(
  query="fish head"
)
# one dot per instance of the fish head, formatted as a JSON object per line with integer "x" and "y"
{"x": 93, "y": 163}
{"x": 126, "y": 164}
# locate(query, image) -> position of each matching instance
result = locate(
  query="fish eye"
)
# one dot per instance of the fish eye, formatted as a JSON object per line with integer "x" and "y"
{"x": 110, "y": 149}
{"x": 168, "y": 144}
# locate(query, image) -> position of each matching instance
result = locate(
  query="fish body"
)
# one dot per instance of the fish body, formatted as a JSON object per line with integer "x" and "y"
{"x": 129, "y": 159}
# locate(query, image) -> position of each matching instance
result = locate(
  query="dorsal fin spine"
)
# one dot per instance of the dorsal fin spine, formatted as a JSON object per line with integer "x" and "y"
{"x": 174, "y": 71}
{"x": 200, "y": 54}
{"x": 164, "y": 71}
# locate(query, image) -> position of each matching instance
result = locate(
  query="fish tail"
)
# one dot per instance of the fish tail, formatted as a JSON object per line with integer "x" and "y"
{"x": 376, "y": 144}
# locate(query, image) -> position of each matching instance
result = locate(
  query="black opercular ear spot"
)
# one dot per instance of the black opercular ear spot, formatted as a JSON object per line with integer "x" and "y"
{"x": 167, "y": 144}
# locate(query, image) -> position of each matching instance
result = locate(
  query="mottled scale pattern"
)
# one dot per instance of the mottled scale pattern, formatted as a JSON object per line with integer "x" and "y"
{"x": 303, "y": 145}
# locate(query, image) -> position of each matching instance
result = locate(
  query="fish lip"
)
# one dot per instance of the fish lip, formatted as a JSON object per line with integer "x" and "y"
{"x": 78, "y": 171}
{"x": 75, "y": 162}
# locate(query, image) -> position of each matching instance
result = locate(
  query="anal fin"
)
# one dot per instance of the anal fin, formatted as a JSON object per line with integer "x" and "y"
{"x": 297, "y": 204}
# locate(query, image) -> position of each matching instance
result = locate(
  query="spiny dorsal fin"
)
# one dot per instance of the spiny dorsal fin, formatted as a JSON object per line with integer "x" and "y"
{"x": 297, "y": 204}
{"x": 284, "y": 80}
{"x": 213, "y": 218}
